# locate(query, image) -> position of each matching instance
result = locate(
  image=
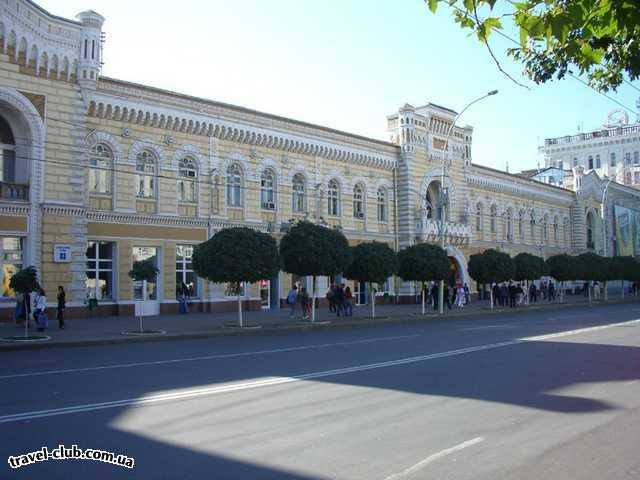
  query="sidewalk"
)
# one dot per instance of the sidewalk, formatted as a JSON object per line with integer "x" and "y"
{"x": 108, "y": 330}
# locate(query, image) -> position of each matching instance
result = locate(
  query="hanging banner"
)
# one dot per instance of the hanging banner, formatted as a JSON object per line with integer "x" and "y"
{"x": 627, "y": 231}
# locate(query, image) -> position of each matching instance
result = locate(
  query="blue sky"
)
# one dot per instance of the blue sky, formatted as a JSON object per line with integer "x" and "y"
{"x": 340, "y": 63}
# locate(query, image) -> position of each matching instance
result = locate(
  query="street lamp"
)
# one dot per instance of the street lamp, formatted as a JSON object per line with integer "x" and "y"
{"x": 604, "y": 219}
{"x": 442, "y": 187}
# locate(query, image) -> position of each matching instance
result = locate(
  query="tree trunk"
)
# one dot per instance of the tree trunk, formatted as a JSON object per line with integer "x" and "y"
{"x": 441, "y": 297}
{"x": 26, "y": 316}
{"x": 622, "y": 289}
{"x": 606, "y": 291}
{"x": 313, "y": 300}
{"x": 240, "y": 322}
{"x": 423, "y": 311}
{"x": 373, "y": 301}
{"x": 491, "y": 296}
{"x": 589, "y": 291}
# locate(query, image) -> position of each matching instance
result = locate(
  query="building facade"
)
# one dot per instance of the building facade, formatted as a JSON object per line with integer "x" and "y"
{"x": 98, "y": 173}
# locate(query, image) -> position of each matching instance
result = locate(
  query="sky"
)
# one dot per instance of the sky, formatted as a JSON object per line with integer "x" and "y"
{"x": 345, "y": 64}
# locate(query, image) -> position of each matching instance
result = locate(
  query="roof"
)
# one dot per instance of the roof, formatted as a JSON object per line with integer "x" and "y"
{"x": 520, "y": 178}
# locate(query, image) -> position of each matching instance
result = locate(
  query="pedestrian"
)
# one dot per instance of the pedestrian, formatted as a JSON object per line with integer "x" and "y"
{"x": 460, "y": 298}
{"x": 304, "y": 303}
{"x": 533, "y": 293}
{"x": 596, "y": 290}
{"x": 552, "y": 292}
{"x": 519, "y": 295}
{"x": 495, "y": 290}
{"x": 182, "y": 298}
{"x": 40, "y": 314}
{"x": 585, "y": 289}
{"x": 467, "y": 294}
{"x": 434, "y": 295}
{"x": 292, "y": 299}
{"x": 447, "y": 298}
{"x": 504, "y": 295}
{"x": 331, "y": 297}
{"x": 19, "y": 311}
{"x": 543, "y": 289}
{"x": 62, "y": 304}
{"x": 348, "y": 302}
{"x": 339, "y": 295}
{"x": 511, "y": 289}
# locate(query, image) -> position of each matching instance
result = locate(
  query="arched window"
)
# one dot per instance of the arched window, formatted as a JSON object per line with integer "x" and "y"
{"x": 598, "y": 162}
{"x": 333, "y": 198}
{"x": 7, "y": 153}
{"x": 299, "y": 199}
{"x": 590, "y": 230}
{"x": 556, "y": 227}
{"x": 590, "y": 162}
{"x": 358, "y": 202}
{"x": 234, "y": 185}
{"x": 565, "y": 230}
{"x": 613, "y": 159}
{"x": 508, "y": 228}
{"x": 545, "y": 227}
{"x": 494, "y": 219}
{"x": 100, "y": 169}
{"x": 187, "y": 180}
{"x": 382, "y": 204}
{"x": 532, "y": 227}
{"x": 479, "y": 217}
{"x": 268, "y": 190}
{"x": 146, "y": 174}
{"x": 521, "y": 225}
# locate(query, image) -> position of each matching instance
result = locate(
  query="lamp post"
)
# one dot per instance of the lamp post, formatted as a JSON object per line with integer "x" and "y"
{"x": 604, "y": 218}
{"x": 444, "y": 193}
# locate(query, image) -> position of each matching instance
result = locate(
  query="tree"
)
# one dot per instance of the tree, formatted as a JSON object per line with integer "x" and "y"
{"x": 617, "y": 267}
{"x": 611, "y": 271}
{"x": 632, "y": 270}
{"x": 594, "y": 268}
{"x": 308, "y": 249}
{"x": 491, "y": 266}
{"x": 423, "y": 262}
{"x": 25, "y": 281}
{"x": 596, "y": 38}
{"x": 529, "y": 267}
{"x": 563, "y": 268}
{"x": 236, "y": 255}
{"x": 372, "y": 262}
{"x": 143, "y": 271}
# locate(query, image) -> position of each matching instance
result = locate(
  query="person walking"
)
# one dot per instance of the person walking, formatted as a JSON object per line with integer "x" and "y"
{"x": 460, "y": 298}
{"x": 467, "y": 294}
{"x": 504, "y": 295}
{"x": 533, "y": 293}
{"x": 596, "y": 290}
{"x": 304, "y": 303}
{"x": 340, "y": 299}
{"x": 182, "y": 298}
{"x": 495, "y": 290}
{"x": 40, "y": 310}
{"x": 292, "y": 299}
{"x": 434, "y": 295}
{"x": 348, "y": 302}
{"x": 511, "y": 289}
{"x": 447, "y": 298}
{"x": 552, "y": 292}
{"x": 331, "y": 297}
{"x": 62, "y": 304}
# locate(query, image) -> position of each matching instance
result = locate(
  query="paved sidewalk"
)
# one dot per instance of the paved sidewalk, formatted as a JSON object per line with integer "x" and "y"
{"x": 108, "y": 330}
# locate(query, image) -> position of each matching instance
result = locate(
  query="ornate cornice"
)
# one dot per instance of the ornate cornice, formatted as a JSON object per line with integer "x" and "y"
{"x": 14, "y": 209}
{"x": 513, "y": 187}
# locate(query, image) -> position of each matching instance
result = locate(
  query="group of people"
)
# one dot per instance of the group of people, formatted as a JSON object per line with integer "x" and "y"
{"x": 33, "y": 305}
{"x": 340, "y": 300}
{"x": 513, "y": 294}
{"x": 458, "y": 295}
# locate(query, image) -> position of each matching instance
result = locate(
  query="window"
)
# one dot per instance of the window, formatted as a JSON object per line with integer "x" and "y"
{"x": 358, "y": 202}
{"x": 494, "y": 219}
{"x": 627, "y": 158}
{"x": 565, "y": 230}
{"x": 11, "y": 262}
{"x": 268, "y": 190}
{"x": 100, "y": 169}
{"x": 532, "y": 227}
{"x": 521, "y": 224}
{"x": 590, "y": 162}
{"x": 598, "y": 162}
{"x": 299, "y": 199}
{"x": 99, "y": 282}
{"x": 575, "y": 161}
{"x": 636, "y": 177}
{"x": 234, "y": 186}
{"x": 140, "y": 254}
{"x": 479, "y": 217}
{"x": 628, "y": 178}
{"x": 545, "y": 229}
{"x": 145, "y": 174}
{"x": 187, "y": 180}
{"x": 556, "y": 226}
{"x": 333, "y": 198}
{"x": 612, "y": 159}
{"x": 7, "y": 153}
{"x": 636, "y": 158}
{"x": 508, "y": 228}
{"x": 186, "y": 279}
{"x": 382, "y": 204}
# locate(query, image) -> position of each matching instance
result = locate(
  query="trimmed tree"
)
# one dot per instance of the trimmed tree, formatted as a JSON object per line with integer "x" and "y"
{"x": 594, "y": 268}
{"x": 528, "y": 267}
{"x": 423, "y": 262}
{"x": 563, "y": 268}
{"x": 24, "y": 281}
{"x": 491, "y": 266}
{"x": 236, "y": 255}
{"x": 618, "y": 267}
{"x": 632, "y": 270}
{"x": 372, "y": 262}
{"x": 143, "y": 271}
{"x": 308, "y": 249}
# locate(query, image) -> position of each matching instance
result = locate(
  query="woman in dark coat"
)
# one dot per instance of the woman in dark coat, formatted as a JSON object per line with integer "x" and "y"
{"x": 62, "y": 304}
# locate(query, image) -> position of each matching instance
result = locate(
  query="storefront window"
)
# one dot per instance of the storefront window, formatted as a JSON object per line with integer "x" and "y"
{"x": 99, "y": 282}
{"x": 186, "y": 279}
{"x": 140, "y": 254}
{"x": 11, "y": 262}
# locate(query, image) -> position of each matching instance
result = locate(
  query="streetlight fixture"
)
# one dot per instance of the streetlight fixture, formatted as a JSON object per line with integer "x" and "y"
{"x": 444, "y": 193}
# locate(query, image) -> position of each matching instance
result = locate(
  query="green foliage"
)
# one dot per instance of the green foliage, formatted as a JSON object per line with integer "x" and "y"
{"x": 595, "y": 38}
{"x": 423, "y": 262}
{"x": 631, "y": 271}
{"x": 491, "y": 266}
{"x": 235, "y": 255}
{"x": 529, "y": 267}
{"x": 594, "y": 267}
{"x": 24, "y": 281}
{"x": 311, "y": 249}
{"x": 372, "y": 262}
{"x": 564, "y": 267}
{"x": 144, "y": 270}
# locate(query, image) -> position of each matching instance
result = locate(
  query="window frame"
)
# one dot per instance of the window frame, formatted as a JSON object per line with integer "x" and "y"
{"x": 4, "y": 262}
{"x": 188, "y": 174}
{"x": 358, "y": 202}
{"x": 268, "y": 182}
{"x": 299, "y": 193}
{"x": 183, "y": 269}
{"x": 381, "y": 199}
{"x": 234, "y": 180}
{"x": 333, "y": 198}
{"x": 98, "y": 268}
{"x": 144, "y": 159}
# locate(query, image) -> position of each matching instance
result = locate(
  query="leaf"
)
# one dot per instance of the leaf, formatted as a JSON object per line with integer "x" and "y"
{"x": 433, "y": 5}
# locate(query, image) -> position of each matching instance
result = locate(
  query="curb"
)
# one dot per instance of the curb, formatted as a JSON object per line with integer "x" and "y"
{"x": 300, "y": 327}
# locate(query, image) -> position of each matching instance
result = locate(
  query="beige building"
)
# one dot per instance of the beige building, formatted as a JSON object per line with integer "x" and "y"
{"x": 98, "y": 173}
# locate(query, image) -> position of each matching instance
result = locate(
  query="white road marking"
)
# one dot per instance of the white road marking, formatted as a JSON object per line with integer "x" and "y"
{"x": 272, "y": 381}
{"x": 432, "y": 458}
{"x": 203, "y": 358}
{"x": 628, "y": 384}
{"x": 487, "y": 327}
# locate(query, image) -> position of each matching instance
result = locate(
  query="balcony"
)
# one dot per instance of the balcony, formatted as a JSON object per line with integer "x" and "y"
{"x": 428, "y": 230}
{"x": 14, "y": 191}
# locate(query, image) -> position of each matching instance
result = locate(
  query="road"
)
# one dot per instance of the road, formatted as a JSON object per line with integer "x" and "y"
{"x": 552, "y": 395}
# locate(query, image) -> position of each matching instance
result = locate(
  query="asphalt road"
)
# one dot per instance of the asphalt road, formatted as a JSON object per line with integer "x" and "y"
{"x": 551, "y": 395}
